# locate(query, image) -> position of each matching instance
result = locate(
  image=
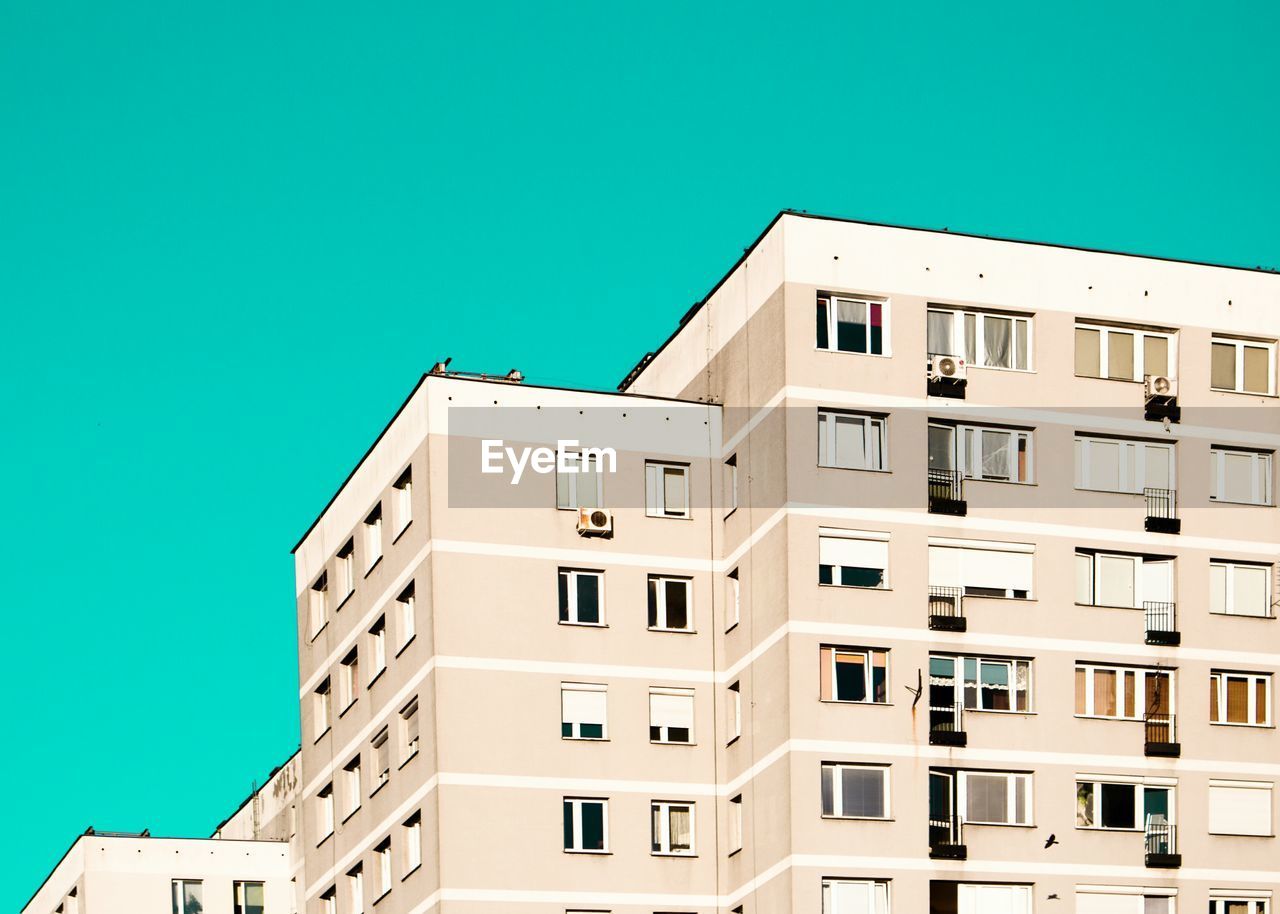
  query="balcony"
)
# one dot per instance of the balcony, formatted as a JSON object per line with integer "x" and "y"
{"x": 1162, "y": 511}
{"x": 1162, "y": 623}
{"x": 946, "y": 609}
{"x": 1161, "y": 736}
{"x": 946, "y": 493}
{"x": 946, "y": 726}
{"x": 946, "y": 838}
{"x": 1162, "y": 845}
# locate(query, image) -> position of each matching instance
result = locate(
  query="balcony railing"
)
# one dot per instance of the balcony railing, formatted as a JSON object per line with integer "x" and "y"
{"x": 1162, "y": 623}
{"x": 1161, "y": 735}
{"x": 1162, "y": 845}
{"x": 946, "y": 725}
{"x": 1162, "y": 511}
{"x": 946, "y": 609}
{"x": 946, "y": 838}
{"x": 946, "y": 492}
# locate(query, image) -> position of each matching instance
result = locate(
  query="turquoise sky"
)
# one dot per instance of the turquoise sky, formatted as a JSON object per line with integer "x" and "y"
{"x": 233, "y": 234}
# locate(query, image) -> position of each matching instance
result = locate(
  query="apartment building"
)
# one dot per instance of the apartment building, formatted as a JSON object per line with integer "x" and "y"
{"x": 936, "y": 575}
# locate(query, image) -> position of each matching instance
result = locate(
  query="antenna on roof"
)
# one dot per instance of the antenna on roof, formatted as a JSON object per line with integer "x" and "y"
{"x": 441, "y": 367}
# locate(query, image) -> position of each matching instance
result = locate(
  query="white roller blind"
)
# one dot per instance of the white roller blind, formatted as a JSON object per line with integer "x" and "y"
{"x": 1157, "y": 582}
{"x": 945, "y": 567}
{"x": 583, "y": 706}
{"x": 1250, "y": 591}
{"x": 1093, "y": 903}
{"x": 994, "y": 899}
{"x": 671, "y": 709}
{"x": 1116, "y": 580}
{"x": 853, "y": 550}
{"x": 855, "y": 898}
{"x": 1238, "y": 809}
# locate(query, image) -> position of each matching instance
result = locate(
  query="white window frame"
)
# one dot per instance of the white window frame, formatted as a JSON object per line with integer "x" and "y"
{"x": 1139, "y": 689}
{"x": 571, "y": 575}
{"x": 378, "y": 647}
{"x": 837, "y": 770}
{"x": 731, "y": 484}
{"x": 664, "y": 732}
{"x": 1140, "y": 893}
{"x": 239, "y": 890}
{"x": 325, "y": 815}
{"x": 1259, "y": 902}
{"x": 959, "y": 681}
{"x": 1139, "y": 563}
{"x": 736, "y": 825}
{"x": 576, "y": 804}
{"x": 352, "y": 787}
{"x": 877, "y": 889}
{"x": 733, "y": 708}
{"x": 968, "y": 895}
{"x": 1240, "y": 344}
{"x": 349, "y": 680}
{"x": 874, "y": 435}
{"x": 655, "y": 476}
{"x": 966, "y": 451}
{"x": 322, "y": 708}
{"x": 345, "y": 566}
{"x": 178, "y": 892}
{"x": 1012, "y": 779}
{"x": 575, "y": 726}
{"x": 329, "y": 901}
{"x": 886, "y": 317}
{"x": 662, "y": 839}
{"x": 318, "y": 603}
{"x": 1261, "y": 469}
{"x": 660, "y": 597}
{"x": 864, "y": 536}
{"x": 383, "y": 854}
{"x": 402, "y": 503}
{"x": 1139, "y": 784}
{"x": 381, "y": 755}
{"x": 567, "y": 498}
{"x": 355, "y": 888}
{"x": 1139, "y": 335}
{"x": 406, "y": 612}
{"x": 1126, "y": 486}
{"x": 410, "y": 712}
{"x": 372, "y": 530}
{"x": 868, "y": 671}
{"x": 977, "y": 358}
{"x": 733, "y": 600}
{"x": 1258, "y": 717}
{"x": 412, "y": 831}
{"x": 1229, "y": 580}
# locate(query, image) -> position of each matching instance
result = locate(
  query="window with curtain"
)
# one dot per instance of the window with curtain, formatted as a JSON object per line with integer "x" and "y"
{"x": 1123, "y": 693}
{"x": 851, "y": 441}
{"x": 855, "y": 791}
{"x": 1240, "y": 698}
{"x": 1122, "y": 803}
{"x": 409, "y": 729}
{"x": 1237, "y": 902}
{"x": 854, "y": 674}
{"x": 984, "y": 339}
{"x": 412, "y": 830}
{"x": 1240, "y": 476}
{"x": 672, "y": 831}
{"x": 666, "y": 489}
{"x": 188, "y": 896}
{"x": 1122, "y": 353}
{"x": 853, "y": 558}
{"x": 995, "y": 797}
{"x": 1240, "y": 589}
{"x": 980, "y": 683}
{"x": 847, "y": 324}
{"x": 1123, "y": 465}
{"x": 1242, "y": 365}
{"x": 981, "y": 452}
{"x": 1122, "y": 900}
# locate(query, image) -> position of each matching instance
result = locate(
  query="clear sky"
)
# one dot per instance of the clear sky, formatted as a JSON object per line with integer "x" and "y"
{"x": 233, "y": 234}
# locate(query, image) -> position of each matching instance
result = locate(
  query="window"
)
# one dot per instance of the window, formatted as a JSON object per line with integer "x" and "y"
{"x": 324, "y": 810}
{"x": 672, "y": 828}
{"x": 1123, "y": 353}
{"x": 249, "y": 898}
{"x": 329, "y": 901}
{"x": 995, "y": 797}
{"x": 402, "y": 503}
{"x": 666, "y": 489}
{"x": 412, "y": 843}
{"x": 851, "y": 441}
{"x": 670, "y": 602}
{"x": 346, "y": 568}
{"x": 1101, "y": 899}
{"x": 984, "y": 339}
{"x": 352, "y": 788}
{"x": 406, "y": 612}
{"x": 981, "y": 452}
{"x": 378, "y": 647}
{"x": 381, "y": 760}
{"x": 733, "y": 711}
{"x": 1240, "y": 698}
{"x": 1239, "y": 589}
{"x": 1240, "y": 902}
{"x": 1243, "y": 366}
{"x": 582, "y": 486}
{"x": 349, "y": 679}
{"x": 1125, "y": 693}
{"x": 981, "y": 683}
{"x": 1240, "y": 807}
{"x": 382, "y": 853}
{"x": 731, "y": 485}
{"x": 1122, "y": 803}
{"x": 1239, "y": 476}
{"x": 188, "y": 896}
{"x": 318, "y": 598}
{"x": 581, "y": 594}
{"x": 671, "y": 715}
{"x": 735, "y": 825}
{"x": 854, "y": 674}
{"x": 355, "y": 888}
{"x": 586, "y": 826}
{"x": 982, "y": 568}
{"x": 853, "y": 324}
{"x": 322, "y": 708}
{"x": 733, "y": 599}
{"x": 1118, "y": 465}
{"x": 854, "y": 896}
{"x": 583, "y": 710}
{"x": 1114, "y": 579}
{"x": 409, "y": 729}
{"x": 855, "y": 791}
{"x": 373, "y": 538}
{"x": 853, "y": 558}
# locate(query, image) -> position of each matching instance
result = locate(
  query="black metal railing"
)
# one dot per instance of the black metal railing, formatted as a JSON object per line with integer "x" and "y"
{"x": 1162, "y": 844}
{"x": 1162, "y": 510}
{"x": 946, "y": 609}
{"x": 946, "y": 492}
{"x": 1161, "y": 732}
{"x": 946, "y": 725}
{"x": 946, "y": 837}
{"x": 1162, "y": 622}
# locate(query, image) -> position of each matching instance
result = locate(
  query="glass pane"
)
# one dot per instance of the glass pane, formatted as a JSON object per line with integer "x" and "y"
{"x": 1085, "y": 815}
{"x": 193, "y": 898}
{"x": 851, "y": 326}
{"x": 1237, "y": 700}
{"x": 1120, "y": 355}
{"x": 940, "y": 325}
{"x": 1257, "y": 369}
{"x": 862, "y": 792}
{"x": 564, "y": 597}
{"x": 851, "y": 680}
{"x": 828, "y": 792}
{"x": 1222, "y": 371}
{"x": 1155, "y": 355}
{"x": 588, "y": 598}
{"x": 995, "y": 454}
{"x": 971, "y": 339}
{"x": 1088, "y": 353}
{"x": 588, "y": 484}
{"x": 681, "y": 828}
{"x": 673, "y": 490}
{"x": 850, "y": 443}
{"x": 593, "y": 826}
{"x": 677, "y": 604}
{"x": 995, "y": 686}
{"x": 823, "y": 340}
{"x": 1104, "y": 692}
{"x": 1021, "y": 353}
{"x": 941, "y": 448}
{"x": 997, "y": 340}
{"x": 1119, "y": 809}
{"x": 987, "y": 798}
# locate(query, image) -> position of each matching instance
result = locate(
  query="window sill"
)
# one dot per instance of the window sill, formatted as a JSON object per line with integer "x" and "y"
{"x": 583, "y": 624}
{"x": 1107, "y": 606}
{"x": 871, "y": 355}
{"x": 395, "y": 539}
{"x": 376, "y": 677}
{"x": 675, "y": 854}
{"x": 1242, "y": 393}
{"x": 1001, "y": 482}
{"x": 669, "y": 742}
{"x": 368, "y": 571}
{"x": 1094, "y": 377}
{"x": 1118, "y": 720}
{"x": 882, "y": 472}
{"x": 1099, "y": 828}
{"x": 846, "y": 701}
{"x": 973, "y": 367}
{"x": 379, "y": 787}
{"x": 854, "y": 587}
{"x": 1240, "y": 504}
{"x": 861, "y": 818}
{"x": 669, "y": 516}
{"x": 1231, "y": 834}
{"x": 411, "y": 871}
{"x": 408, "y": 758}
{"x": 345, "y": 600}
{"x": 321, "y": 842}
{"x": 1244, "y": 616}
{"x": 316, "y": 634}
{"x": 400, "y": 649}
{"x": 1237, "y": 725}
{"x": 674, "y": 631}
{"x": 351, "y": 705}
{"x": 321, "y": 735}
{"x": 585, "y": 739}
{"x": 347, "y": 817}
{"x": 1001, "y": 824}
{"x": 569, "y": 850}
{"x": 731, "y": 628}
{"x": 384, "y": 894}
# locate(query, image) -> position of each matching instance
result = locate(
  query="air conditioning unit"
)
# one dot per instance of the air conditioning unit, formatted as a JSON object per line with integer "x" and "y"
{"x": 1154, "y": 385}
{"x": 595, "y": 522}
{"x": 947, "y": 367}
